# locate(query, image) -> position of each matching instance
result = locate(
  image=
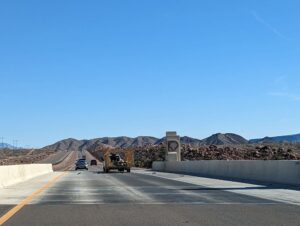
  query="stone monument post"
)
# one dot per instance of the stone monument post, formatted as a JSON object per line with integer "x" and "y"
{"x": 173, "y": 147}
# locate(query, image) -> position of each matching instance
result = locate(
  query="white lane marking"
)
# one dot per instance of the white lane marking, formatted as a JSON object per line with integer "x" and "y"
{"x": 131, "y": 192}
{"x": 287, "y": 196}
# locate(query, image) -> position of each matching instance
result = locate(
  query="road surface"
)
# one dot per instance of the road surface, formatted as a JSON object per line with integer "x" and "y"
{"x": 145, "y": 198}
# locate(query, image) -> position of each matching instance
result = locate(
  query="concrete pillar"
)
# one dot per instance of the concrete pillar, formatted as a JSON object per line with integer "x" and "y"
{"x": 173, "y": 147}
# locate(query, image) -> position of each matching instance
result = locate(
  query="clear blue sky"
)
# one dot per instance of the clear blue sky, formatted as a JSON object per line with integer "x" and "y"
{"x": 87, "y": 69}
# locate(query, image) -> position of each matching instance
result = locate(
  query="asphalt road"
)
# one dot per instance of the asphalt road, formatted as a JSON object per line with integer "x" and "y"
{"x": 145, "y": 198}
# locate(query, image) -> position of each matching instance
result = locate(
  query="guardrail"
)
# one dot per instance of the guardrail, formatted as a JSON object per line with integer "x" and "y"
{"x": 273, "y": 171}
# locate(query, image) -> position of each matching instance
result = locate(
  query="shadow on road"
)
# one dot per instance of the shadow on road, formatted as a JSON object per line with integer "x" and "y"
{"x": 260, "y": 185}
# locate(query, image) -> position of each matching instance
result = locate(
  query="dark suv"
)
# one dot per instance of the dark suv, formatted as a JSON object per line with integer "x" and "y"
{"x": 93, "y": 162}
{"x": 81, "y": 164}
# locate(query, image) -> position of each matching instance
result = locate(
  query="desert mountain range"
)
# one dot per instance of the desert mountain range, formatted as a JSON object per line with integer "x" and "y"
{"x": 71, "y": 144}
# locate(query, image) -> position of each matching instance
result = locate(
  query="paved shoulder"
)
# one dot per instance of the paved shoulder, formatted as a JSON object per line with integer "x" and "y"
{"x": 273, "y": 192}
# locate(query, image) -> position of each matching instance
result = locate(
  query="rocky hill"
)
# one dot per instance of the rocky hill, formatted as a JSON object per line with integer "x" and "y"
{"x": 23, "y": 156}
{"x": 144, "y": 156}
{"x": 221, "y": 139}
{"x": 125, "y": 142}
{"x": 121, "y": 142}
{"x": 69, "y": 144}
{"x": 288, "y": 138}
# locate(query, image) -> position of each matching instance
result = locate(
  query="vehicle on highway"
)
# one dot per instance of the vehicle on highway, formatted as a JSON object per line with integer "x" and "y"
{"x": 93, "y": 162}
{"x": 112, "y": 161}
{"x": 81, "y": 164}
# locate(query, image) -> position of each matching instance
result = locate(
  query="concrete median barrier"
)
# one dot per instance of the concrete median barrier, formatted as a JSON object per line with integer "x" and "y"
{"x": 273, "y": 171}
{"x": 14, "y": 174}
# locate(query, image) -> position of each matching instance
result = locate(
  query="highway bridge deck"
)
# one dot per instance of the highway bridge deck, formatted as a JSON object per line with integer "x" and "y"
{"x": 147, "y": 198}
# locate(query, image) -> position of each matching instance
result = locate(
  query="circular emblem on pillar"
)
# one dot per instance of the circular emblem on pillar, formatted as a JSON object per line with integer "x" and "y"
{"x": 172, "y": 146}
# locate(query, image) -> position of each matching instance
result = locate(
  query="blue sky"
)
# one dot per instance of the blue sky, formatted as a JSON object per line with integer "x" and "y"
{"x": 87, "y": 69}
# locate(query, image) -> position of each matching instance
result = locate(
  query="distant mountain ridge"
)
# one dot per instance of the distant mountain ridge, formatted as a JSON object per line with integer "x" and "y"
{"x": 287, "y": 138}
{"x": 222, "y": 139}
{"x": 71, "y": 144}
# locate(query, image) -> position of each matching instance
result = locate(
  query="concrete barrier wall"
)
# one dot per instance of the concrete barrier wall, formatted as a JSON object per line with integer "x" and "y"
{"x": 158, "y": 166}
{"x": 14, "y": 174}
{"x": 277, "y": 171}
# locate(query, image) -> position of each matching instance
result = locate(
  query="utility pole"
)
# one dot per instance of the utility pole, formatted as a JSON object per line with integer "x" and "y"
{"x": 15, "y": 144}
{"x": 2, "y": 143}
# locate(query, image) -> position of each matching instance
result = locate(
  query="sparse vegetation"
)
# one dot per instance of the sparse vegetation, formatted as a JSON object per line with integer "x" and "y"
{"x": 23, "y": 156}
{"x": 144, "y": 156}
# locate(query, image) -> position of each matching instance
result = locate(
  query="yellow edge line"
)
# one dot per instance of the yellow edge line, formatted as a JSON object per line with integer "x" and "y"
{"x": 27, "y": 200}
